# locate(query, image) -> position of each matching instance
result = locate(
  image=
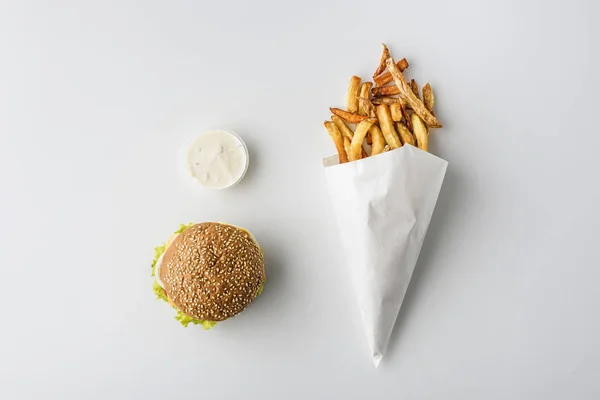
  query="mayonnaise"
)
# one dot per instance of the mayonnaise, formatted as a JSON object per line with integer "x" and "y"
{"x": 218, "y": 159}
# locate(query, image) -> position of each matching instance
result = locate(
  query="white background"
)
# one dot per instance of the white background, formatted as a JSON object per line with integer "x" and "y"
{"x": 96, "y": 99}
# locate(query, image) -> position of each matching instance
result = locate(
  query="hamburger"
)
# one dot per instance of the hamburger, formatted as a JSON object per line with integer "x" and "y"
{"x": 208, "y": 272}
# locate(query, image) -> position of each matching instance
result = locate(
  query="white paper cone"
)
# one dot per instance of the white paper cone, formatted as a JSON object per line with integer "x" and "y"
{"x": 383, "y": 206}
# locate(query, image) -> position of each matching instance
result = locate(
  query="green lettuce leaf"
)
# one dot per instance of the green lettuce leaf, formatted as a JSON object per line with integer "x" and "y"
{"x": 183, "y": 227}
{"x": 185, "y": 320}
{"x": 158, "y": 251}
{"x": 159, "y": 291}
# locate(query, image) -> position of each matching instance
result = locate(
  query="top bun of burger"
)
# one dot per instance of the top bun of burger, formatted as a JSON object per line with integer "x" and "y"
{"x": 212, "y": 271}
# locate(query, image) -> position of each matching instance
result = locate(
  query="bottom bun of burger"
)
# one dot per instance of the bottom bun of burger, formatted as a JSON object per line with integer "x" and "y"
{"x": 212, "y": 271}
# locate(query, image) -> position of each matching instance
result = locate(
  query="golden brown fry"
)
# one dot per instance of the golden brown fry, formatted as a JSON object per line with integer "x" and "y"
{"x": 415, "y": 88}
{"x": 368, "y": 105}
{"x": 384, "y": 56}
{"x": 365, "y": 92}
{"x": 386, "y": 148}
{"x": 378, "y": 140}
{"x": 405, "y": 134}
{"x": 405, "y": 115}
{"x": 336, "y": 136}
{"x": 387, "y": 126}
{"x": 381, "y": 91}
{"x": 342, "y": 127}
{"x": 408, "y": 95}
{"x": 347, "y": 145}
{"x": 428, "y": 98}
{"x": 369, "y": 138}
{"x": 352, "y": 96}
{"x": 420, "y": 132}
{"x": 356, "y": 148}
{"x": 345, "y": 131}
{"x": 387, "y": 77}
{"x": 396, "y": 111}
{"x": 348, "y": 116}
{"x": 387, "y": 100}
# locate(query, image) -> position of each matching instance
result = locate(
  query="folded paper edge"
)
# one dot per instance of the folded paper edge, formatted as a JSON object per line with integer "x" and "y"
{"x": 333, "y": 160}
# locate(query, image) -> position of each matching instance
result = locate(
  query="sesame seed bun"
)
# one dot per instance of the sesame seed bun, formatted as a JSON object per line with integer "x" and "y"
{"x": 212, "y": 271}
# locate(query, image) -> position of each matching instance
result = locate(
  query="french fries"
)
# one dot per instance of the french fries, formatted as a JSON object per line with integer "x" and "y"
{"x": 387, "y": 100}
{"x": 387, "y": 126}
{"x": 368, "y": 106}
{"x": 381, "y": 91}
{"x": 407, "y": 93}
{"x": 405, "y": 115}
{"x": 350, "y": 117}
{"x": 342, "y": 127}
{"x": 405, "y": 135}
{"x": 428, "y": 99}
{"x": 352, "y": 96}
{"x": 378, "y": 142}
{"x": 386, "y": 77}
{"x": 415, "y": 88}
{"x": 365, "y": 90}
{"x": 386, "y": 116}
{"x": 385, "y": 54}
{"x": 396, "y": 111}
{"x": 336, "y": 136}
{"x": 345, "y": 131}
{"x": 356, "y": 148}
{"x": 347, "y": 145}
{"x": 420, "y": 132}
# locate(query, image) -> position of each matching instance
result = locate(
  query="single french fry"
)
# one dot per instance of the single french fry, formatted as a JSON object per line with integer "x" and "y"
{"x": 342, "y": 127}
{"x": 347, "y": 145}
{"x": 365, "y": 92}
{"x": 428, "y": 99}
{"x": 387, "y": 100}
{"x": 415, "y": 88}
{"x": 336, "y": 136}
{"x": 386, "y": 148}
{"x": 408, "y": 95}
{"x": 387, "y": 126}
{"x": 381, "y": 91}
{"x": 405, "y": 134}
{"x": 405, "y": 115}
{"x": 368, "y": 106}
{"x": 350, "y": 117}
{"x": 384, "y": 56}
{"x": 356, "y": 147}
{"x": 386, "y": 77}
{"x": 420, "y": 131}
{"x": 396, "y": 111}
{"x": 378, "y": 140}
{"x": 352, "y": 96}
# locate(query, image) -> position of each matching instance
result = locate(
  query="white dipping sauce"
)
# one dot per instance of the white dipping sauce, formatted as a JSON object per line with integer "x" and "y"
{"x": 218, "y": 159}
